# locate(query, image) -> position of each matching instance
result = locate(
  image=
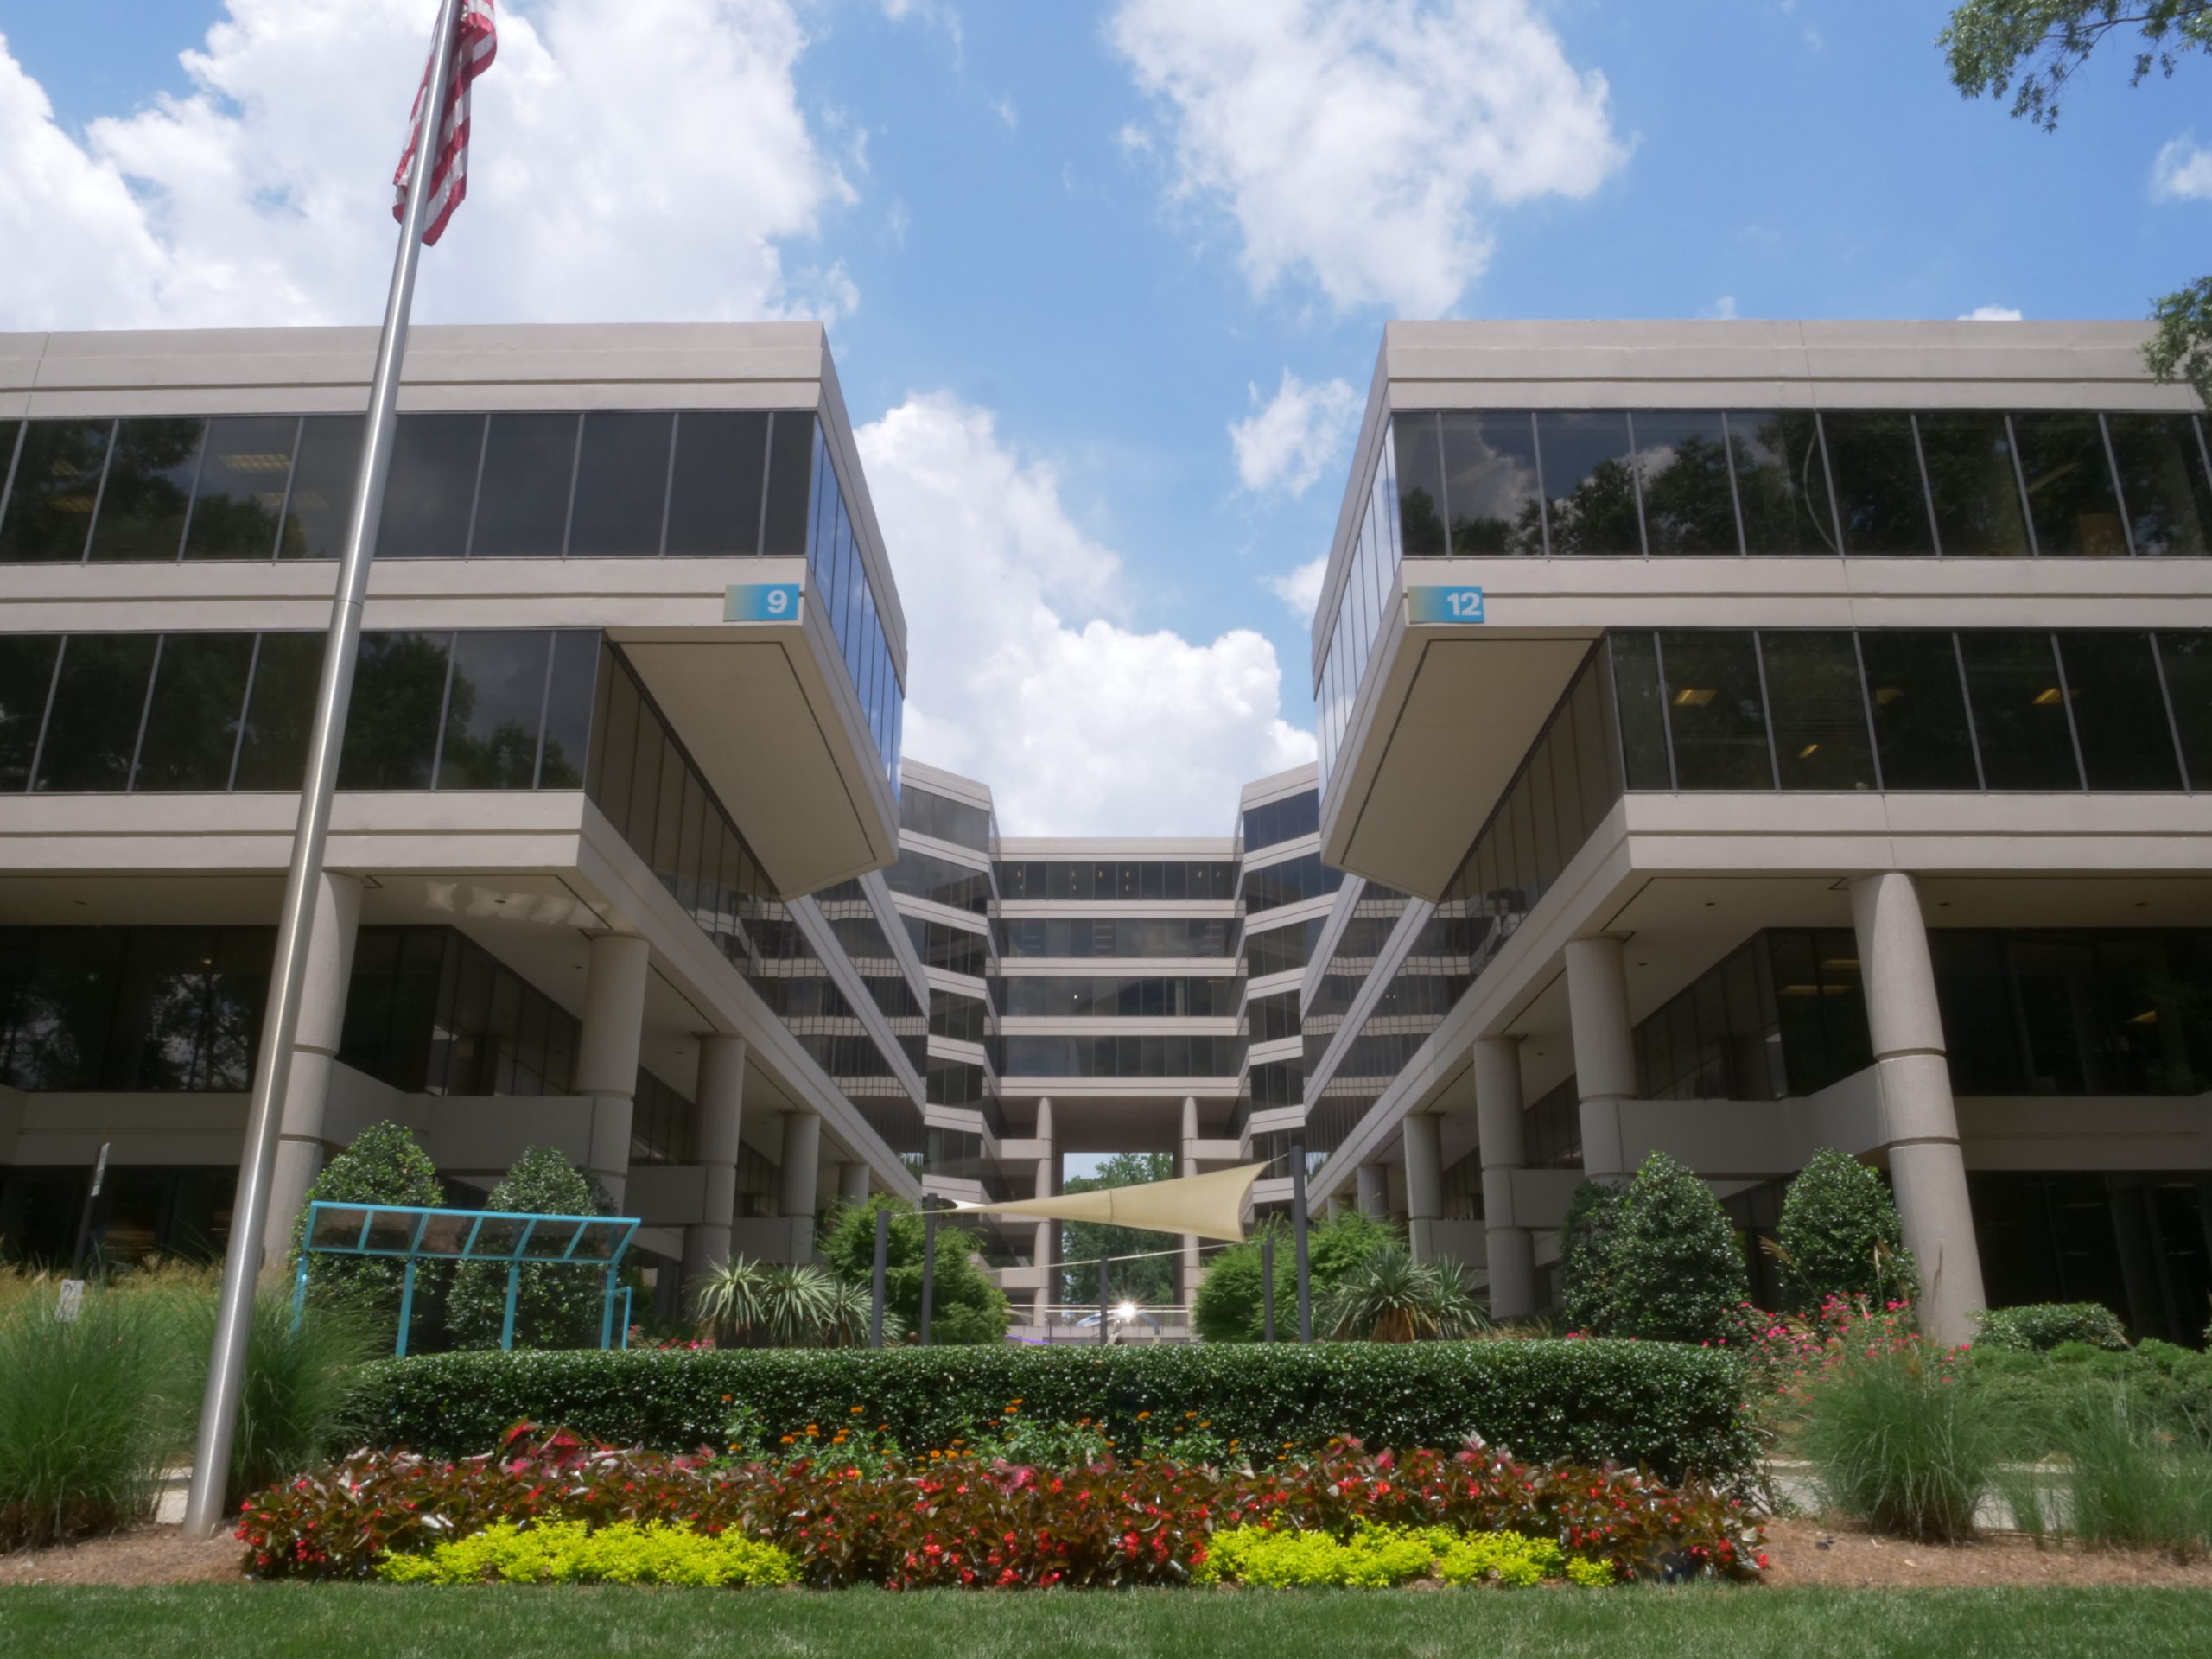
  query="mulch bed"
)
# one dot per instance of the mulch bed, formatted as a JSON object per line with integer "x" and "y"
{"x": 149, "y": 1554}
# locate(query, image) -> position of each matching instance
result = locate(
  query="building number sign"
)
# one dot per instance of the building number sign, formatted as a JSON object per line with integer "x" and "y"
{"x": 762, "y": 601}
{"x": 1446, "y": 605}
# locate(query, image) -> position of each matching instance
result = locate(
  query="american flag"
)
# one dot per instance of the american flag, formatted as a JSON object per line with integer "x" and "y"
{"x": 475, "y": 40}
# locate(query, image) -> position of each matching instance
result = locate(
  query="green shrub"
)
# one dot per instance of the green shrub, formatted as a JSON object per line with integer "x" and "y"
{"x": 1376, "y": 1556}
{"x": 1390, "y": 1298}
{"x": 1672, "y": 1408}
{"x": 1903, "y": 1442}
{"x": 1228, "y": 1307}
{"x": 964, "y": 1308}
{"x": 1673, "y": 1272}
{"x": 570, "y": 1552}
{"x": 383, "y": 1165}
{"x": 2039, "y": 1326}
{"x": 1840, "y": 1236}
{"x": 557, "y": 1306}
{"x": 1586, "y": 1256}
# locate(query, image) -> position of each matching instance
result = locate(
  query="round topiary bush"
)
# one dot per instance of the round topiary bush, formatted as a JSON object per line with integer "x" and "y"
{"x": 1675, "y": 1272}
{"x": 1840, "y": 1236}
{"x": 383, "y": 1165}
{"x": 556, "y": 1305}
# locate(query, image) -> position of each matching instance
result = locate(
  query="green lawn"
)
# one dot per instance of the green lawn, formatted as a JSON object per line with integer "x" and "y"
{"x": 337, "y": 1622}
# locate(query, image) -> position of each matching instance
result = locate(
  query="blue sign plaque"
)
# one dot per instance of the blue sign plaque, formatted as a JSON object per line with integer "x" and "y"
{"x": 1430, "y": 605}
{"x": 761, "y": 601}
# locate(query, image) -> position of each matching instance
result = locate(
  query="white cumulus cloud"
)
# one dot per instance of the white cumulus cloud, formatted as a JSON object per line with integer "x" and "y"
{"x": 2182, "y": 171}
{"x": 1286, "y": 442}
{"x": 1991, "y": 313}
{"x": 1369, "y": 143}
{"x": 1302, "y": 589}
{"x": 1021, "y": 673}
{"x": 631, "y": 159}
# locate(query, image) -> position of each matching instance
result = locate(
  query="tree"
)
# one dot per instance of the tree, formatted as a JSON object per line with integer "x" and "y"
{"x": 2033, "y": 49}
{"x": 965, "y": 1306}
{"x": 557, "y": 1306}
{"x": 1840, "y": 1236}
{"x": 1230, "y": 1307}
{"x": 1676, "y": 1271}
{"x": 383, "y": 1165}
{"x": 1150, "y": 1279}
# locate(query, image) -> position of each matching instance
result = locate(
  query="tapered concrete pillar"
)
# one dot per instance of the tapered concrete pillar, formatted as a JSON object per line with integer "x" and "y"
{"x": 852, "y": 1183}
{"x": 802, "y": 1174}
{"x": 721, "y": 1110}
{"x": 1920, "y": 1121}
{"x": 1605, "y": 1050}
{"x": 1188, "y": 1262}
{"x": 606, "y": 1054}
{"x": 1044, "y": 1253}
{"x": 301, "y": 1146}
{"x": 1511, "y": 1248}
{"x": 1422, "y": 1138}
{"x": 1374, "y": 1187}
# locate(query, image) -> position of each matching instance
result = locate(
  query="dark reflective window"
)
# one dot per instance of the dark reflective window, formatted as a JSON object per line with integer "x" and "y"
{"x": 1689, "y": 504}
{"x": 941, "y": 818}
{"x": 522, "y": 503}
{"x": 492, "y": 711}
{"x": 1280, "y": 950}
{"x": 2161, "y": 480}
{"x": 1972, "y": 484}
{"x": 568, "y": 710}
{"x": 1285, "y": 883}
{"x": 1878, "y": 494}
{"x": 1782, "y": 483}
{"x": 392, "y": 726}
{"x": 1278, "y": 821}
{"x": 2119, "y": 711}
{"x": 2020, "y": 711}
{"x": 2070, "y": 495}
{"x": 621, "y": 484}
{"x": 1421, "y": 484}
{"x": 713, "y": 507}
{"x": 790, "y": 476}
{"x": 148, "y": 488}
{"x": 192, "y": 719}
{"x": 273, "y": 747}
{"x": 1642, "y": 713}
{"x": 1920, "y": 719}
{"x": 2186, "y": 659}
{"x": 1714, "y": 710}
{"x": 322, "y": 487}
{"x": 432, "y": 488}
{"x": 26, "y": 681}
{"x": 49, "y": 507}
{"x": 1818, "y": 710}
{"x": 239, "y": 498}
{"x": 1493, "y": 494}
{"x": 99, "y": 698}
{"x": 1589, "y": 483}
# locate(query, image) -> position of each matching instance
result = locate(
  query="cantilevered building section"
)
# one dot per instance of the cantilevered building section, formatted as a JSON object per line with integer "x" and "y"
{"x": 630, "y": 692}
{"x": 1749, "y": 738}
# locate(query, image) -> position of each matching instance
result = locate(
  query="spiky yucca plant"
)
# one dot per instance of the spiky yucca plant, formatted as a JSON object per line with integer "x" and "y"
{"x": 1388, "y": 1297}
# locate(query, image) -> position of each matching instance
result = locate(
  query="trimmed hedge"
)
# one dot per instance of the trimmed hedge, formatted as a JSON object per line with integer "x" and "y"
{"x": 1674, "y": 1409}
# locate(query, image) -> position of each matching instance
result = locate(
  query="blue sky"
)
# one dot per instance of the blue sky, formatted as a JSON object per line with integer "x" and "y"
{"x": 1063, "y": 247}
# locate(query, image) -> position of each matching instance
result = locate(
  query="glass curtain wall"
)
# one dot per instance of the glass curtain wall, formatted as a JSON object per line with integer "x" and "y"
{"x": 1287, "y": 883}
{"x": 1061, "y": 996}
{"x": 1783, "y": 1014}
{"x": 1089, "y": 881}
{"x": 1177, "y": 1055}
{"x": 157, "y": 1009}
{"x": 1152, "y": 935}
{"x": 1280, "y": 821}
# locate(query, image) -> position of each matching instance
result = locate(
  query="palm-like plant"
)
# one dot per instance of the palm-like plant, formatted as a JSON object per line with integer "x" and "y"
{"x": 729, "y": 1299}
{"x": 798, "y": 1305}
{"x": 1389, "y": 1297}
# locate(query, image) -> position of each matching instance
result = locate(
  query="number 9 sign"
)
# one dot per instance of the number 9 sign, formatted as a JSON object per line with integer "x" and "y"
{"x": 762, "y": 601}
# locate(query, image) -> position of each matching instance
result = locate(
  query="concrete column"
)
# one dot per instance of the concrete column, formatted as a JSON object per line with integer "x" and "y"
{"x": 301, "y": 1143}
{"x": 852, "y": 1183}
{"x": 1188, "y": 1165}
{"x": 802, "y": 1174}
{"x": 1605, "y": 1050}
{"x": 1920, "y": 1121}
{"x": 1374, "y": 1190}
{"x": 607, "y": 1053}
{"x": 1511, "y": 1248}
{"x": 1044, "y": 1253}
{"x": 1423, "y": 1140}
{"x": 722, "y": 1108}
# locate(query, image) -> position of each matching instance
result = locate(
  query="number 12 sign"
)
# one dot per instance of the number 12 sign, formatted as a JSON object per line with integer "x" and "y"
{"x": 1430, "y": 605}
{"x": 761, "y": 601}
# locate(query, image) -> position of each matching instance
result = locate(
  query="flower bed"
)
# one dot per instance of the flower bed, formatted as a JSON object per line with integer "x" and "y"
{"x": 961, "y": 1521}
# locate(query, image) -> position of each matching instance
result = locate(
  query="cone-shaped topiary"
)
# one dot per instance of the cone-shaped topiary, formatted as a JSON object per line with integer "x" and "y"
{"x": 556, "y": 1305}
{"x": 1675, "y": 1271}
{"x": 1840, "y": 1236}
{"x": 383, "y": 1165}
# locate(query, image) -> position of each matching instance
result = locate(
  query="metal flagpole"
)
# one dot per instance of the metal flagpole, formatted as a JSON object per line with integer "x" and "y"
{"x": 211, "y": 1461}
{"x": 882, "y": 1264}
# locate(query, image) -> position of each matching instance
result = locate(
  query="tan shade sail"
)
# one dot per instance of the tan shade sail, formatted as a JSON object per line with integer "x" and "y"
{"x": 1212, "y": 1206}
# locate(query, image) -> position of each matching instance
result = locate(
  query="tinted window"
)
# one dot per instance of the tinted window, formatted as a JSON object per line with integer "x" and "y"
{"x": 2019, "y": 713}
{"x": 522, "y": 505}
{"x": 2071, "y": 499}
{"x": 1689, "y": 503}
{"x": 432, "y": 487}
{"x": 568, "y": 710}
{"x": 1421, "y": 483}
{"x": 622, "y": 484}
{"x": 244, "y": 469}
{"x": 99, "y": 701}
{"x": 492, "y": 711}
{"x": 1878, "y": 488}
{"x": 26, "y": 680}
{"x": 149, "y": 486}
{"x": 191, "y": 721}
{"x": 1490, "y": 487}
{"x": 944, "y": 819}
{"x": 1819, "y": 711}
{"x": 322, "y": 487}
{"x": 1920, "y": 722}
{"x": 1782, "y": 483}
{"x": 49, "y": 507}
{"x": 2162, "y": 481}
{"x": 2119, "y": 711}
{"x": 1278, "y": 821}
{"x": 392, "y": 726}
{"x": 2187, "y": 660}
{"x": 1589, "y": 485}
{"x": 790, "y": 472}
{"x": 713, "y": 507}
{"x": 1971, "y": 480}
{"x": 1713, "y": 710}
{"x": 273, "y": 748}
{"x": 1644, "y": 718}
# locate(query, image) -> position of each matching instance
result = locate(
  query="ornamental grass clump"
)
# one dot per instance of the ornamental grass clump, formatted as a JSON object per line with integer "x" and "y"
{"x": 1902, "y": 1439}
{"x": 2109, "y": 1469}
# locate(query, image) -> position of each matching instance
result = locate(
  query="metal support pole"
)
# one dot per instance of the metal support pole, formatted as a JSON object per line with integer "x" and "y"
{"x": 1298, "y": 1227}
{"x": 882, "y": 1268}
{"x": 211, "y": 1461}
{"x": 1268, "y": 1287}
{"x": 300, "y": 1290}
{"x": 606, "y": 1312}
{"x": 929, "y": 1271}
{"x": 406, "y": 1310}
{"x": 507, "y": 1325}
{"x": 91, "y": 1201}
{"x": 625, "y": 1318}
{"x": 1103, "y": 1294}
